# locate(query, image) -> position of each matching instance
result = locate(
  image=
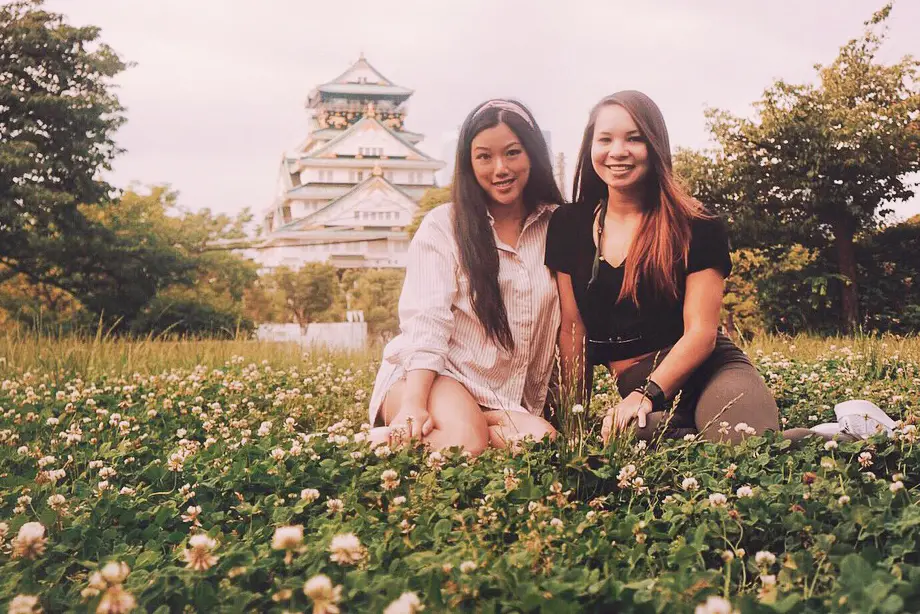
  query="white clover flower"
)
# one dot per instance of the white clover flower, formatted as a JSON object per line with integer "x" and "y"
{"x": 843, "y": 500}
{"x": 765, "y": 558}
{"x": 309, "y": 495}
{"x": 199, "y": 556}
{"x": 334, "y": 506}
{"x": 408, "y": 603}
{"x": 435, "y": 461}
{"x": 744, "y": 491}
{"x": 690, "y": 484}
{"x": 324, "y": 595}
{"x": 715, "y": 605}
{"x": 578, "y": 408}
{"x": 346, "y": 549}
{"x": 57, "y": 502}
{"x": 389, "y": 479}
{"x": 278, "y": 454}
{"x": 896, "y": 486}
{"x": 830, "y": 445}
{"x": 116, "y": 600}
{"x": 468, "y": 567}
{"x": 115, "y": 572}
{"x": 865, "y": 459}
{"x": 30, "y": 542}
{"x": 24, "y": 604}
{"x": 288, "y": 537}
{"x": 397, "y": 501}
{"x": 717, "y": 499}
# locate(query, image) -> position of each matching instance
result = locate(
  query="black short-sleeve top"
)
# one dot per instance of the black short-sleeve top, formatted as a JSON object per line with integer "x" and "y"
{"x": 623, "y": 330}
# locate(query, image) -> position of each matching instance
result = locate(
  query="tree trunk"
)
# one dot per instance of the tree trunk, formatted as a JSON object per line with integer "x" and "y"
{"x": 846, "y": 263}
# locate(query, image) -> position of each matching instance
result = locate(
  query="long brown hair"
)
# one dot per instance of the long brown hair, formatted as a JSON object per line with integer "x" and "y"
{"x": 663, "y": 239}
{"x": 473, "y": 232}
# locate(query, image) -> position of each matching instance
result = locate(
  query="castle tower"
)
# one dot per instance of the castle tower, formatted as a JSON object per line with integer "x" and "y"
{"x": 346, "y": 194}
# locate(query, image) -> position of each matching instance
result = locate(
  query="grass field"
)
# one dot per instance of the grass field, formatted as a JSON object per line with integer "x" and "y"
{"x": 197, "y": 476}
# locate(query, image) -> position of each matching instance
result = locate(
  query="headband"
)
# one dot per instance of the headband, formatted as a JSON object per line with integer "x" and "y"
{"x": 506, "y": 105}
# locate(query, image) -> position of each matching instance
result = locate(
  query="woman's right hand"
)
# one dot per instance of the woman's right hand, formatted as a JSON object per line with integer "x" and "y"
{"x": 411, "y": 422}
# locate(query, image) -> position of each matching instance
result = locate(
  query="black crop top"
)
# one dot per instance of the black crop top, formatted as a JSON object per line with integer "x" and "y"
{"x": 618, "y": 331}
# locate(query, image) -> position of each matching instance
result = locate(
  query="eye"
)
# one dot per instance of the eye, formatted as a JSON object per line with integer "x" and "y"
{"x": 636, "y": 139}
{"x": 482, "y": 156}
{"x": 603, "y": 139}
{"x": 513, "y": 152}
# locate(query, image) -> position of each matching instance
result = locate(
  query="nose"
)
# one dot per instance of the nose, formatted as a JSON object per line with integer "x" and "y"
{"x": 617, "y": 149}
{"x": 500, "y": 167}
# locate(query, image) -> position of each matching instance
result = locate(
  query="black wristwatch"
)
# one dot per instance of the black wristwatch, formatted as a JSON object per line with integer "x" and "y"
{"x": 653, "y": 392}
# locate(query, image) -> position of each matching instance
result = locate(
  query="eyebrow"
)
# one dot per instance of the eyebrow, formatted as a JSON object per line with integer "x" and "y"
{"x": 627, "y": 134}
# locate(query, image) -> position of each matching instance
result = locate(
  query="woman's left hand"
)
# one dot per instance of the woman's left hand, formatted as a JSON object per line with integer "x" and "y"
{"x": 635, "y": 406}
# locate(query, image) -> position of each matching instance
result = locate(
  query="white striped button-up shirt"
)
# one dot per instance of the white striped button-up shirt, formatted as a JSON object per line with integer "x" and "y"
{"x": 439, "y": 330}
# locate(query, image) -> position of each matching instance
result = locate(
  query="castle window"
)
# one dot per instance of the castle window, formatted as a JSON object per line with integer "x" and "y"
{"x": 286, "y": 214}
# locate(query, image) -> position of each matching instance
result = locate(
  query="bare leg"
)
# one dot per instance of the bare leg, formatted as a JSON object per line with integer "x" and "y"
{"x": 508, "y": 426}
{"x": 458, "y": 419}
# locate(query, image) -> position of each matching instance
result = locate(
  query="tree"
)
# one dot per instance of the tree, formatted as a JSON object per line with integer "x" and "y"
{"x": 832, "y": 154}
{"x": 710, "y": 178}
{"x": 376, "y": 293}
{"x": 429, "y": 200}
{"x": 58, "y": 115}
{"x": 150, "y": 245}
{"x": 309, "y": 291}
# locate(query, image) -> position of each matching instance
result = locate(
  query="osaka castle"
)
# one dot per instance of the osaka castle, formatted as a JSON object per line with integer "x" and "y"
{"x": 346, "y": 194}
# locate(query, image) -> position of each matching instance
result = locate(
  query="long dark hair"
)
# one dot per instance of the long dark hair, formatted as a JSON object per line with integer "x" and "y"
{"x": 473, "y": 232}
{"x": 663, "y": 239}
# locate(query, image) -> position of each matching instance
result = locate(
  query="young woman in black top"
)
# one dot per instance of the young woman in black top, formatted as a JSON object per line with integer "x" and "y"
{"x": 640, "y": 268}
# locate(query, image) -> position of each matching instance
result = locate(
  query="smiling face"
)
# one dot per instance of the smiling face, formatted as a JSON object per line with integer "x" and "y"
{"x": 619, "y": 151}
{"x": 501, "y": 164}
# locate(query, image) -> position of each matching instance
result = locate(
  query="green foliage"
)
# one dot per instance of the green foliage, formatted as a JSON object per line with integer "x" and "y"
{"x": 184, "y": 312}
{"x": 778, "y": 289}
{"x": 140, "y": 451}
{"x": 376, "y": 293}
{"x": 826, "y": 158}
{"x": 429, "y": 200}
{"x": 309, "y": 291}
{"x": 58, "y": 115}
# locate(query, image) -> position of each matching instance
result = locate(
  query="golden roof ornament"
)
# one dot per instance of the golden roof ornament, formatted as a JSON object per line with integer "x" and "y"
{"x": 370, "y": 111}
{"x": 377, "y": 171}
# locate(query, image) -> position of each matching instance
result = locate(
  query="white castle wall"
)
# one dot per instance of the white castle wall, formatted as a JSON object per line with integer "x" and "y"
{"x": 333, "y": 335}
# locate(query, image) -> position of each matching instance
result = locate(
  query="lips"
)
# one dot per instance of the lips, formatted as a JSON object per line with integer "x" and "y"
{"x": 620, "y": 168}
{"x": 504, "y": 183}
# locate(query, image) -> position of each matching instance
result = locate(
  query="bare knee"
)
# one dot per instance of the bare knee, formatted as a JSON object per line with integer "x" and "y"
{"x": 472, "y": 436}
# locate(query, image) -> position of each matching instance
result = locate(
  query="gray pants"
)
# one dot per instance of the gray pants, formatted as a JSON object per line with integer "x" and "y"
{"x": 725, "y": 388}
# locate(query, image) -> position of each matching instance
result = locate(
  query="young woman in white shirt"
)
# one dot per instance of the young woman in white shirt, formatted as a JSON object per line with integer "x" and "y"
{"x": 479, "y": 311}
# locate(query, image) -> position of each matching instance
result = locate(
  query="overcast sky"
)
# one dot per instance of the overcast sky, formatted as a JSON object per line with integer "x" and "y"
{"x": 218, "y": 87}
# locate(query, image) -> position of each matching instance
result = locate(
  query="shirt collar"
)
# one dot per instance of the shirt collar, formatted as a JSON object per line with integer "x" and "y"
{"x": 539, "y": 212}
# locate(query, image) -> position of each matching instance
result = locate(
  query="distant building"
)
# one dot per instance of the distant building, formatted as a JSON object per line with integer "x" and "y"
{"x": 346, "y": 194}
